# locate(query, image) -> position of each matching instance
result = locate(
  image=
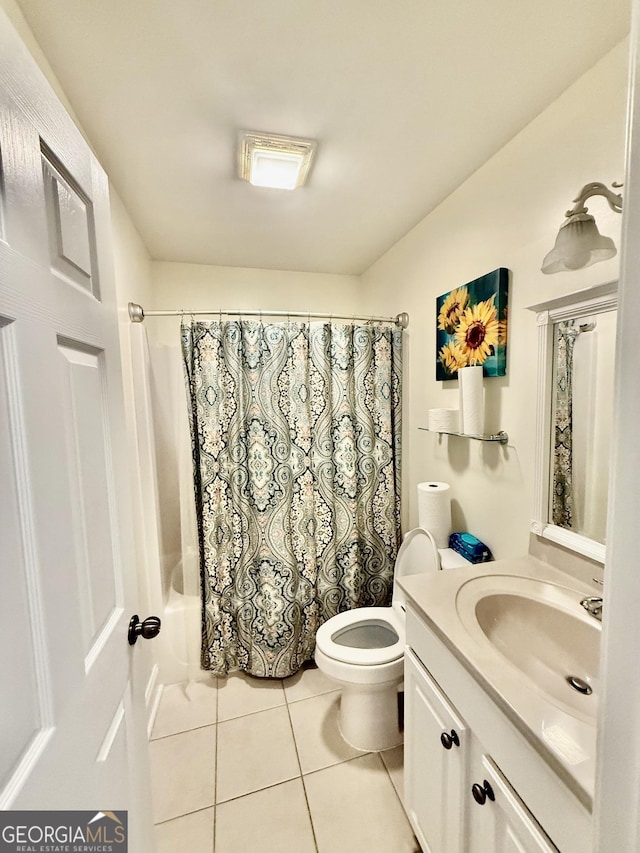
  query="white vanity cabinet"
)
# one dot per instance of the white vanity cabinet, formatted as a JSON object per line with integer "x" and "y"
{"x": 502, "y": 824}
{"x": 436, "y": 762}
{"x": 457, "y": 799}
{"x": 468, "y": 773}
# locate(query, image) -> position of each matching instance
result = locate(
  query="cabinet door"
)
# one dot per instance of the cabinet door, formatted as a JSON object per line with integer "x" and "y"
{"x": 504, "y": 824}
{"x": 434, "y": 775}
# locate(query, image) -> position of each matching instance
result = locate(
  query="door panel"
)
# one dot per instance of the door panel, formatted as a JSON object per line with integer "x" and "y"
{"x": 90, "y": 464}
{"x": 20, "y": 710}
{"x": 503, "y": 825}
{"x": 70, "y": 226}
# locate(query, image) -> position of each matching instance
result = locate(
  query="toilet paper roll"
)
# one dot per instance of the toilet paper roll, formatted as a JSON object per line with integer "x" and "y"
{"x": 434, "y": 511}
{"x": 471, "y": 400}
{"x": 444, "y": 420}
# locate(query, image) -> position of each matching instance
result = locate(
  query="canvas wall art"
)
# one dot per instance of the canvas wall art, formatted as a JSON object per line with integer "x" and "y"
{"x": 472, "y": 326}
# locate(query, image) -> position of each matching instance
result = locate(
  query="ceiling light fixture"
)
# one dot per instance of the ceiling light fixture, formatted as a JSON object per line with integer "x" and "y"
{"x": 280, "y": 162}
{"x": 579, "y": 243}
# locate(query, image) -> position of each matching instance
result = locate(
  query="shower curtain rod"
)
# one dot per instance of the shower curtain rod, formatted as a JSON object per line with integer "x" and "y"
{"x": 137, "y": 315}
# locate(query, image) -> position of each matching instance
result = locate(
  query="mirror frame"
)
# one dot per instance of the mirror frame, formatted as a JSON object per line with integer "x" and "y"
{"x": 583, "y": 303}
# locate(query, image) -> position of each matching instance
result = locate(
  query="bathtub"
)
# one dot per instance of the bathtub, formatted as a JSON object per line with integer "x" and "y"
{"x": 180, "y": 650}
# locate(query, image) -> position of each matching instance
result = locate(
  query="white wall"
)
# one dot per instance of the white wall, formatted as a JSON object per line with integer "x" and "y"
{"x": 506, "y": 214}
{"x": 132, "y": 268}
{"x": 177, "y": 285}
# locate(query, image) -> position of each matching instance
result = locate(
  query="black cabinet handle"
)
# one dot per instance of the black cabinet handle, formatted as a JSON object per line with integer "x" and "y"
{"x": 449, "y": 740}
{"x": 481, "y": 792}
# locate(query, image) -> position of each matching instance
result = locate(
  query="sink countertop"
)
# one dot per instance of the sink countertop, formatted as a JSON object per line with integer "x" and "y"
{"x": 566, "y": 742}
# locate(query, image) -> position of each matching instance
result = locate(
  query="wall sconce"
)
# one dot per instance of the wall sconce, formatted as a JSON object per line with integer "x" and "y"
{"x": 579, "y": 243}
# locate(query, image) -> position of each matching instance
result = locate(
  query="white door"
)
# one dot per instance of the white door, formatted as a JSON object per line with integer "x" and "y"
{"x": 72, "y": 733}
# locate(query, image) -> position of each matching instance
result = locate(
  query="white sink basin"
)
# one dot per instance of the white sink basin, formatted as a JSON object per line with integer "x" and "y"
{"x": 541, "y": 629}
{"x": 518, "y": 628}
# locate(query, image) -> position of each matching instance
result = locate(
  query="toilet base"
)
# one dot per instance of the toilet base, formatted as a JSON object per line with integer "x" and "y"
{"x": 368, "y": 717}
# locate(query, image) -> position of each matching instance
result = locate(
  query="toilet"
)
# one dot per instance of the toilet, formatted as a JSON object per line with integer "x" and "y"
{"x": 363, "y": 650}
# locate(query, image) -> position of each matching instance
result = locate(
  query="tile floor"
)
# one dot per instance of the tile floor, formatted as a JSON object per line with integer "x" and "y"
{"x": 245, "y": 764}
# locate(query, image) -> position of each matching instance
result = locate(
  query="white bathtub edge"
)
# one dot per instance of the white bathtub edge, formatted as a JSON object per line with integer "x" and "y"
{"x": 152, "y": 696}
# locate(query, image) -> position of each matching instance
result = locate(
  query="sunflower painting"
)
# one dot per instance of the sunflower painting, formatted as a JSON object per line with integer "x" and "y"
{"x": 472, "y": 326}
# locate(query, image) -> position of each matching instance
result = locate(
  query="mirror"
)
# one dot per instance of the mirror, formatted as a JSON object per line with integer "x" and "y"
{"x": 576, "y": 351}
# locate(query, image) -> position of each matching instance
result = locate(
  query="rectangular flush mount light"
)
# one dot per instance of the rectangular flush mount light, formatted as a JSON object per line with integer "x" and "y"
{"x": 281, "y": 162}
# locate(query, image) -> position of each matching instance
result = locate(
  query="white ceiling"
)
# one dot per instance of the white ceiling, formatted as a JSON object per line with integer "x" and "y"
{"x": 406, "y": 98}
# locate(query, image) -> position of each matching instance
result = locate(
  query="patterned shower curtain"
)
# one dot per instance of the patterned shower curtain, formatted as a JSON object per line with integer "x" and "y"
{"x": 562, "y": 486}
{"x": 296, "y": 447}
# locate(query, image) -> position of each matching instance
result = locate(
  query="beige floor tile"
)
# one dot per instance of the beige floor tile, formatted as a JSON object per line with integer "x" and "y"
{"x": 315, "y": 727}
{"x": 255, "y": 752}
{"x": 354, "y": 807}
{"x": 309, "y": 681}
{"x": 193, "y": 832}
{"x": 394, "y": 762}
{"x": 275, "y": 820}
{"x": 240, "y": 694}
{"x": 183, "y": 773}
{"x": 184, "y": 707}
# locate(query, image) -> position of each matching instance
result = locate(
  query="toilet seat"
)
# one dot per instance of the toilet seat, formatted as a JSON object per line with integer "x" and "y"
{"x": 338, "y": 627}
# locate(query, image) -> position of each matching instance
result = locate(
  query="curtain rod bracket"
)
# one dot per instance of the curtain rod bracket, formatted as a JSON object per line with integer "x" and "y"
{"x": 136, "y": 312}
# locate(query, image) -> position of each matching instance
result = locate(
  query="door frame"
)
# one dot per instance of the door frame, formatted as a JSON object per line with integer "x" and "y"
{"x": 617, "y": 796}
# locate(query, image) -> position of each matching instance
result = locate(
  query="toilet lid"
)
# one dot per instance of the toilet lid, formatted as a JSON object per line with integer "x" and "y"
{"x": 366, "y": 636}
{"x": 418, "y": 554}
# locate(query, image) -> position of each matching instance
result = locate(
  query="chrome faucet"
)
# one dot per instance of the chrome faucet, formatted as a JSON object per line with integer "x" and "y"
{"x": 593, "y": 605}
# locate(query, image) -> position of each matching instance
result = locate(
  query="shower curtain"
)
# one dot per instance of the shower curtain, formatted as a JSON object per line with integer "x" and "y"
{"x": 562, "y": 485}
{"x": 295, "y": 433}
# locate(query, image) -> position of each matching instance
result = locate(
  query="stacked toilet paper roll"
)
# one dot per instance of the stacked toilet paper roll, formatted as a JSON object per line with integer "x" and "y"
{"x": 471, "y": 400}
{"x": 434, "y": 511}
{"x": 444, "y": 420}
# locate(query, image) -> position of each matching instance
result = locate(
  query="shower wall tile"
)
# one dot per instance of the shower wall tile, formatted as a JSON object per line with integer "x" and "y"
{"x": 318, "y": 738}
{"x": 183, "y": 773}
{"x": 192, "y": 832}
{"x": 240, "y": 694}
{"x": 275, "y": 820}
{"x": 254, "y": 752}
{"x": 184, "y": 707}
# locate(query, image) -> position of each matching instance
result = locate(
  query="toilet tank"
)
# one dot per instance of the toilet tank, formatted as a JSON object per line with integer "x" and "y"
{"x": 418, "y": 554}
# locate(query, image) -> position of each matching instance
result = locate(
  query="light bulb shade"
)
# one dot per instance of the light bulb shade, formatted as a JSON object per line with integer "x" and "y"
{"x": 270, "y": 160}
{"x": 578, "y": 244}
